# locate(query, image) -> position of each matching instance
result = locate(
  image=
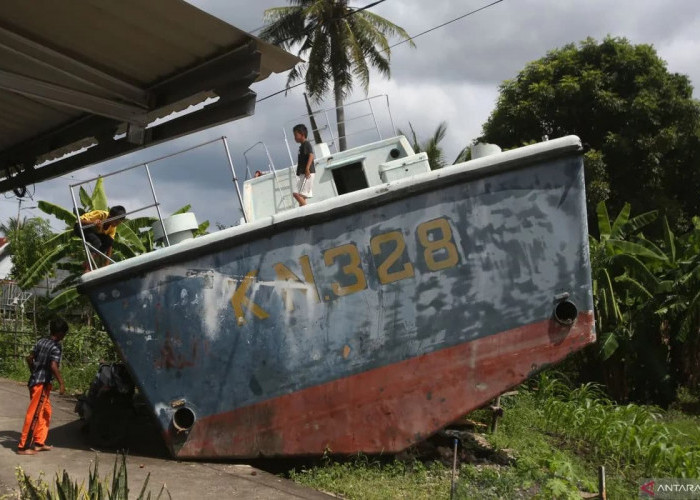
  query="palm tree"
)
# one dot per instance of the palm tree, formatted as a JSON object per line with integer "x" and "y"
{"x": 342, "y": 42}
{"x": 432, "y": 147}
{"x": 436, "y": 157}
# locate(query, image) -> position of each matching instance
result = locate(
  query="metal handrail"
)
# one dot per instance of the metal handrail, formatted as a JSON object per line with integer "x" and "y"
{"x": 324, "y": 113}
{"x": 271, "y": 165}
{"x": 89, "y": 249}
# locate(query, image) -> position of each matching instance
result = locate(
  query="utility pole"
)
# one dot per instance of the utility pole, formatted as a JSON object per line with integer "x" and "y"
{"x": 19, "y": 207}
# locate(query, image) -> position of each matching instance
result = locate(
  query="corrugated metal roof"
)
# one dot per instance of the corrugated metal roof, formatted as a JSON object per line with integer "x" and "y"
{"x": 73, "y": 72}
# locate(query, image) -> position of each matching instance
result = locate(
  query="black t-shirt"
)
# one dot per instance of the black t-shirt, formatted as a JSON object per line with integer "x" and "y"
{"x": 305, "y": 150}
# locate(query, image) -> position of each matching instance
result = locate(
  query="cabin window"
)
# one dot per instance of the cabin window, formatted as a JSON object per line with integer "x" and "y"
{"x": 349, "y": 178}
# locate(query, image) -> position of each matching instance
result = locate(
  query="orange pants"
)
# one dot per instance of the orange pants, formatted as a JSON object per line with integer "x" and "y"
{"x": 36, "y": 422}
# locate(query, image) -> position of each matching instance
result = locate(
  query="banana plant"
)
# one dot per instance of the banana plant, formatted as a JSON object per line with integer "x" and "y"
{"x": 65, "y": 251}
{"x": 680, "y": 304}
{"x": 620, "y": 262}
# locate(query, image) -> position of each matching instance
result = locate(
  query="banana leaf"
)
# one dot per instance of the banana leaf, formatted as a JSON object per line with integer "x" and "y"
{"x": 99, "y": 197}
{"x": 44, "y": 265}
{"x": 182, "y": 210}
{"x": 603, "y": 221}
{"x": 59, "y": 212}
{"x": 621, "y": 219}
{"x": 608, "y": 344}
{"x": 84, "y": 197}
{"x": 670, "y": 240}
{"x": 64, "y": 298}
{"x": 645, "y": 249}
{"x": 634, "y": 285}
{"x": 131, "y": 238}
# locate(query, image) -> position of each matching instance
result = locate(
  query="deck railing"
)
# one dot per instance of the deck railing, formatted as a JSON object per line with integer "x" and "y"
{"x": 90, "y": 251}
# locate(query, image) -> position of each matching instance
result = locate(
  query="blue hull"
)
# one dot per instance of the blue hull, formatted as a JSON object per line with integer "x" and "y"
{"x": 247, "y": 317}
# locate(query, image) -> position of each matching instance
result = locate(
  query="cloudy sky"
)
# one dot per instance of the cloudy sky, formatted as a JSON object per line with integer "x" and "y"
{"x": 452, "y": 75}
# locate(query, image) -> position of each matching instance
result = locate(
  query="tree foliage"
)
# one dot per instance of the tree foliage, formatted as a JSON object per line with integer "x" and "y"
{"x": 433, "y": 148}
{"x": 638, "y": 120}
{"x": 27, "y": 238}
{"x": 339, "y": 42}
{"x": 647, "y": 305}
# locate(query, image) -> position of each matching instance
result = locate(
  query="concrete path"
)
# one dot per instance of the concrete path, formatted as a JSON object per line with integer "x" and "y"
{"x": 184, "y": 480}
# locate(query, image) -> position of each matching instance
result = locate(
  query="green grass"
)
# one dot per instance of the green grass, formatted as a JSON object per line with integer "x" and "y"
{"x": 558, "y": 436}
{"x": 368, "y": 478}
{"x": 76, "y": 377}
{"x": 540, "y": 471}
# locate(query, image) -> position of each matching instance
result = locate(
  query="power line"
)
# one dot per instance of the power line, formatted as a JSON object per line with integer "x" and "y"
{"x": 286, "y": 89}
{"x": 448, "y": 22}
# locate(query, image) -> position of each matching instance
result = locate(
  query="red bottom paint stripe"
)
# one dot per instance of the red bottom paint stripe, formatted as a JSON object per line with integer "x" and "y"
{"x": 389, "y": 408}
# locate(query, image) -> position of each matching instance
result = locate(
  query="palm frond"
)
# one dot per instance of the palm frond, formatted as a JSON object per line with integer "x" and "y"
{"x": 386, "y": 27}
{"x": 286, "y": 26}
{"x": 464, "y": 155}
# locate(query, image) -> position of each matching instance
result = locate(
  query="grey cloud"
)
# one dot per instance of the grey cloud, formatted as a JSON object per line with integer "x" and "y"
{"x": 453, "y": 75}
{"x": 493, "y": 45}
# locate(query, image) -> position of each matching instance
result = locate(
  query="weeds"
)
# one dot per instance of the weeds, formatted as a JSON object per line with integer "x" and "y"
{"x": 559, "y": 437}
{"x": 65, "y": 488}
{"x": 367, "y": 478}
{"x": 84, "y": 349}
{"x": 629, "y": 434}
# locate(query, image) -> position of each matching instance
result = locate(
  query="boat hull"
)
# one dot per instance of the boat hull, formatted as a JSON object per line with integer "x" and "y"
{"x": 360, "y": 326}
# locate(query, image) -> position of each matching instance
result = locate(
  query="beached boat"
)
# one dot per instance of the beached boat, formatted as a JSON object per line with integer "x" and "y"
{"x": 398, "y": 301}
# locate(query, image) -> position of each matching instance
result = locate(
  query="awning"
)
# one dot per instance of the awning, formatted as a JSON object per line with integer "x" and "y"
{"x": 76, "y": 73}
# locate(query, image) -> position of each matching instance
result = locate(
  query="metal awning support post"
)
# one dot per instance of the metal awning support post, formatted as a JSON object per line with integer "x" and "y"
{"x": 155, "y": 200}
{"x": 235, "y": 178}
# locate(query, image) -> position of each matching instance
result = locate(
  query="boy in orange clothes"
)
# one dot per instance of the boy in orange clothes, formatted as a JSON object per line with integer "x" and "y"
{"x": 43, "y": 362}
